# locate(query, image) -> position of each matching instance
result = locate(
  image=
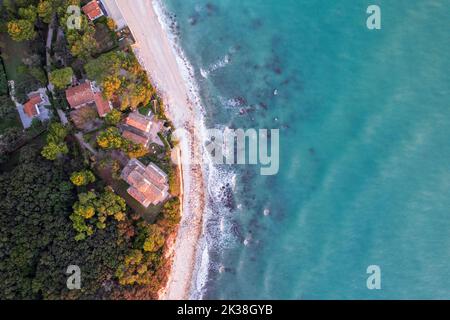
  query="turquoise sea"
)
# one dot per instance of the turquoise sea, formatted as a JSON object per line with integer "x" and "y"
{"x": 364, "y": 119}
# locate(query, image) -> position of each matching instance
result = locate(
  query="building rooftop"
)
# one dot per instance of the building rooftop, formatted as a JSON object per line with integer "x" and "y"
{"x": 93, "y": 10}
{"x": 139, "y": 121}
{"x": 80, "y": 95}
{"x": 85, "y": 94}
{"x": 103, "y": 106}
{"x": 31, "y": 106}
{"x": 136, "y": 138}
{"x": 148, "y": 185}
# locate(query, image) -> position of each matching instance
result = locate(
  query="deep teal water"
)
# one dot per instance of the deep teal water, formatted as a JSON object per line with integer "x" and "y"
{"x": 365, "y": 146}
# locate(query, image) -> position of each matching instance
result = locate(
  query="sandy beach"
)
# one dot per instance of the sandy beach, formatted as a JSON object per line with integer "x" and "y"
{"x": 156, "y": 54}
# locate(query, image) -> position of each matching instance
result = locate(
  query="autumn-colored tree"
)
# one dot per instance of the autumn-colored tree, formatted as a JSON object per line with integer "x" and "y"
{"x": 113, "y": 118}
{"x": 110, "y": 204}
{"x": 61, "y": 78}
{"x": 111, "y": 86}
{"x": 82, "y": 178}
{"x": 135, "y": 150}
{"x": 45, "y": 10}
{"x": 155, "y": 239}
{"x": 21, "y": 30}
{"x": 170, "y": 216}
{"x": 110, "y": 139}
{"x": 84, "y": 46}
{"x": 92, "y": 210}
{"x": 110, "y": 68}
{"x": 132, "y": 269}
{"x": 111, "y": 24}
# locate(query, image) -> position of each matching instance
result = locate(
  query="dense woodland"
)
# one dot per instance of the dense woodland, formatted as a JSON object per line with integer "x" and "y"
{"x": 54, "y": 210}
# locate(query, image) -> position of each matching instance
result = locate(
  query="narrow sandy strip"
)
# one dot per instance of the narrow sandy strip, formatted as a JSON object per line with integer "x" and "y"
{"x": 155, "y": 52}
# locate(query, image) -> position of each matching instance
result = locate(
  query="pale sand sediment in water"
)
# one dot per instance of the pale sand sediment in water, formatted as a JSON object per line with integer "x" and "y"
{"x": 155, "y": 52}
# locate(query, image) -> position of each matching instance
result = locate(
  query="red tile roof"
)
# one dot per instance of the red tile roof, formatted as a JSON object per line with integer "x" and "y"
{"x": 145, "y": 183}
{"x": 135, "y": 137}
{"x": 155, "y": 174}
{"x": 30, "y": 107}
{"x": 103, "y": 106}
{"x": 93, "y": 10}
{"x": 139, "y": 121}
{"x": 80, "y": 95}
{"x": 83, "y": 94}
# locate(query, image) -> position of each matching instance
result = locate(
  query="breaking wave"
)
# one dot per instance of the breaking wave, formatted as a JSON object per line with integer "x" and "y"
{"x": 218, "y": 229}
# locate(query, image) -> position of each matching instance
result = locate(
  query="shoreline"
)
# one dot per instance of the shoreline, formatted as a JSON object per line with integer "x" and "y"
{"x": 156, "y": 54}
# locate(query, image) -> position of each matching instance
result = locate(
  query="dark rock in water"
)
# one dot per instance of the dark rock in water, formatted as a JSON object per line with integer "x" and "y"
{"x": 312, "y": 151}
{"x": 256, "y": 23}
{"x": 239, "y": 101}
{"x": 277, "y": 70}
{"x": 263, "y": 105}
{"x": 193, "y": 20}
{"x": 211, "y": 8}
{"x": 227, "y": 197}
{"x": 229, "y": 270}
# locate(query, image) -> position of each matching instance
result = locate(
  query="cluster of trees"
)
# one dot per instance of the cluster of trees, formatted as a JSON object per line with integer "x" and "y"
{"x": 20, "y": 20}
{"x": 144, "y": 264}
{"x": 80, "y": 38}
{"x": 111, "y": 139}
{"x": 122, "y": 259}
{"x": 122, "y": 78}
{"x": 20, "y": 17}
{"x": 56, "y": 144}
{"x": 9, "y": 139}
{"x": 82, "y": 178}
{"x": 61, "y": 78}
{"x": 113, "y": 118}
{"x": 22, "y": 27}
{"x": 36, "y": 242}
{"x": 92, "y": 210}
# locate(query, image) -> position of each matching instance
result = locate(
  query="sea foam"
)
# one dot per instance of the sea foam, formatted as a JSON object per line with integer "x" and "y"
{"x": 215, "y": 177}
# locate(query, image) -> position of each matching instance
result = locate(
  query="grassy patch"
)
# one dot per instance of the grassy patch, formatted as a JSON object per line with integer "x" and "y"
{"x": 12, "y": 54}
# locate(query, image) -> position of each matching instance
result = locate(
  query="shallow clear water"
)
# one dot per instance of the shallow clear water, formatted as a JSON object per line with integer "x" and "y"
{"x": 364, "y": 119}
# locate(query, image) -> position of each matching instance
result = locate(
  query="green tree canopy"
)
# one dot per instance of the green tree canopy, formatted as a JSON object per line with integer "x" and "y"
{"x": 113, "y": 118}
{"x": 93, "y": 209}
{"x": 82, "y": 178}
{"x": 55, "y": 142}
{"x": 21, "y": 30}
{"x": 61, "y": 78}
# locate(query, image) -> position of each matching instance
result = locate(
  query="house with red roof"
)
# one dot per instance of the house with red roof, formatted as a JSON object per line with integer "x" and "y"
{"x": 93, "y": 10}
{"x": 88, "y": 94}
{"x": 36, "y": 107}
{"x": 136, "y": 128}
{"x": 148, "y": 184}
{"x": 31, "y": 107}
